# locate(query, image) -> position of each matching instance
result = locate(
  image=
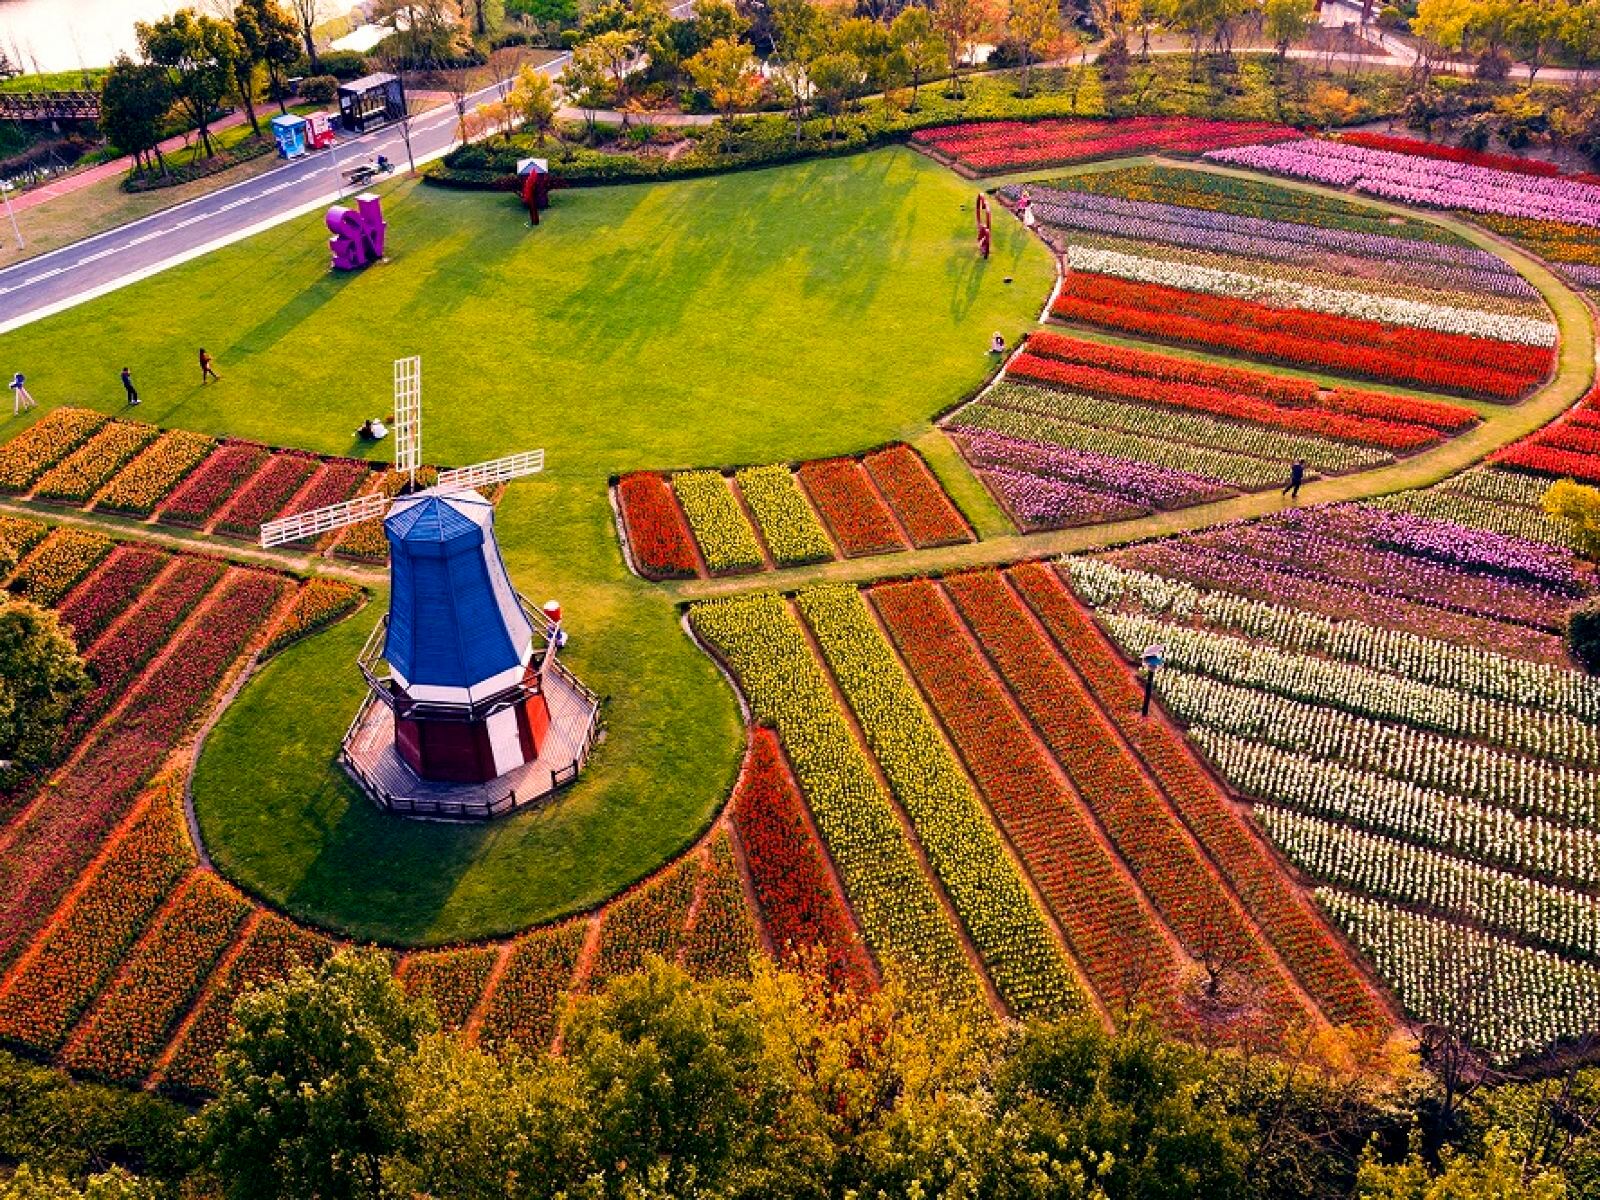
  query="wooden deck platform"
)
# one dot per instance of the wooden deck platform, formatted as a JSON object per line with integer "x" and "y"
{"x": 372, "y": 761}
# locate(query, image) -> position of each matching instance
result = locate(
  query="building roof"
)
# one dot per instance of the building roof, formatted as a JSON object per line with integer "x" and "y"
{"x": 367, "y": 82}
{"x": 454, "y": 619}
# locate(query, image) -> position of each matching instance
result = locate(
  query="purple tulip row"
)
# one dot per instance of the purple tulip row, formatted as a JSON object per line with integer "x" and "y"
{"x": 1051, "y": 487}
{"x": 1479, "y": 551}
{"x": 1216, "y": 562}
{"x": 1399, "y": 260}
{"x": 1411, "y": 179}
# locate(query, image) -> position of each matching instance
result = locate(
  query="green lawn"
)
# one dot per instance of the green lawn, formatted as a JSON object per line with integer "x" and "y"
{"x": 776, "y": 314}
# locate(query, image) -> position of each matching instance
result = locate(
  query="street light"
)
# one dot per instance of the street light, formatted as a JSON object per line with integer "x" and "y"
{"x": 5, "y": 193}
{"x": 1154, "y": 655}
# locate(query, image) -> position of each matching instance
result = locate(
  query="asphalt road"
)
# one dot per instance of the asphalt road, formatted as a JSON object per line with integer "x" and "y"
{"x": 39, "y": 286}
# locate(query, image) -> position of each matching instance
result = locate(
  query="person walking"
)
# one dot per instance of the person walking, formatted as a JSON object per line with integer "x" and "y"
{"x": 127, "y": 384}
{"x": 21, "y": 400}
{"x": 206, "y": 373}
{"x": 1297, "y": 476}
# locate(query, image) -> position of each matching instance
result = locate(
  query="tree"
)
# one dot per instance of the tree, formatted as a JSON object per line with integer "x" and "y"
{"x": 425, "y": 30}
{"x": 583, "y": 80}
{"x": 41, "y": 677}
{"x": 246, "y": 39}
{"x": 835, "y": 76}
{"x": 1286, "y": 22}
{"x": 484, "y": 16}
{"x": 533, "y": 99}
{"x": 920, "y": 46}
{"x": 1533, "y": 29}
{"x": 306, "y": 14}
{"x": 115, "y": 1184}
{"x": 615, "y": 51}
{"x": 1035, "y": 25}
{"x": 960, "y": 23}
{"x": 1495, "y": 1175}
{"x": 134, "y": 101}
{"x": 269, "y": 34}
{"x": 395, "y": 61}
{"x": 727, "y": 71}
{"x": 198, "y": 53}
{"x": 1580, "y": 34}
{"x": 311, "y": 1101}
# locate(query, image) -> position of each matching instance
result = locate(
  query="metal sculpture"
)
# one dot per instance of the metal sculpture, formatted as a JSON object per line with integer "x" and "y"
{"x": 357, "y": 233}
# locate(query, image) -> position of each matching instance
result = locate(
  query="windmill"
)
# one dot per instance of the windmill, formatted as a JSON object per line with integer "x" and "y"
{"x": 464, "y": 660}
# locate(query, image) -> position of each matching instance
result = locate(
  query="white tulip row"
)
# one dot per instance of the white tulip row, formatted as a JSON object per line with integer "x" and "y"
{"x": 1459, "y": 768}
{"x": 1465, "y": 668}
{"x": 1508, "y": 999}
{"x": 1563, "y": 920}
{"x": 1504, "y": 487}
{"x": 1362, "y": 690}
{"x": 1403, "y": 810}
{"x": 1390, "y": 310}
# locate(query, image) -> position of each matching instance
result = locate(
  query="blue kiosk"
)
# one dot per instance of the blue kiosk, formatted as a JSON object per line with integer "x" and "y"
{"x": 290, "y": 133}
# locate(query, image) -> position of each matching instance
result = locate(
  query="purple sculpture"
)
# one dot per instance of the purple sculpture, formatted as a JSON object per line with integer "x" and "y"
{"x": 357, "y": 233}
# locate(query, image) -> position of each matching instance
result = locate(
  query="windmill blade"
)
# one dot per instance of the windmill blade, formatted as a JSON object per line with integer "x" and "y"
{"x": 408, "y": 414}
{"x": 496, "y": 470}
{"x": 320, "y": 520}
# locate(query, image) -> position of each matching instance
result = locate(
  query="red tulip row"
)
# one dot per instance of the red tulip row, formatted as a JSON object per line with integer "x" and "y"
{"x": 1281, "y": 389}
{"x": 453, "y": 979}
{"x": 53, "y": 842}
{"x": 648, "y": 920}
{"x": 994, "y": 146}
{"x": 657, "y": 533}
{"x": 115, "y": 660}
{"x": 1181, "y": 883}
{"x": 213, "y": 484}
{"x": 722, "y": 935}
{"x": 1089, "y": 892}
{"x": 1307, "y": 946}
{"x": 1460, "y": 154}
{"x": 86, "y": 939}
{"x": 1452, "y": 363}
{"x": 266, "y": 495}
{"x": 926, "y": 512}
{"x": 132, "y": 1021}
{"x": 801, "y": 904}
{"x": 104, "y": 596}
{"x": 842, "y": 493}
{"x": 269, "y": 948}
{"x": 524, "y": 1005}
{"x": 1570, "y": 448}
{"x": 1390, "y": 435}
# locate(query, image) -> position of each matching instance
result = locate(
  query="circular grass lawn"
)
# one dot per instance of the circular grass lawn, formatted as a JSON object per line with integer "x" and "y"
{"x": 779, "y": 314}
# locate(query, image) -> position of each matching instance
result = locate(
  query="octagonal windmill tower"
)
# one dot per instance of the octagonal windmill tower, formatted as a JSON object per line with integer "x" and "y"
{"x": 468, "y": 713}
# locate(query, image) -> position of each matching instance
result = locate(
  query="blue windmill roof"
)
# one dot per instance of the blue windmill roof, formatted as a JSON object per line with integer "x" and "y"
{"x": 454, "y": 618}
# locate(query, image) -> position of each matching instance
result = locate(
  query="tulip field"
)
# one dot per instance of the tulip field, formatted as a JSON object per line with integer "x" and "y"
{"x": 1359, "y": 793}
{"x": 694, "y": 523}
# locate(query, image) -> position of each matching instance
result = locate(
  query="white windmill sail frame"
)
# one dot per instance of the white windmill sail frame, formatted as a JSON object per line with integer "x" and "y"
{"x": 496, "y": 470}
{"x": 408, "y": 414}
{"x": 321, "y": 520}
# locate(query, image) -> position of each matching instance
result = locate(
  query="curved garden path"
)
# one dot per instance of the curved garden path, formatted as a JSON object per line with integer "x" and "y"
{"x": 1575, "y": 374}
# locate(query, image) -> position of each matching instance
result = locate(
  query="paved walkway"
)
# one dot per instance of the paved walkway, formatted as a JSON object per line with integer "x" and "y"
{"x": 116, "y": 168}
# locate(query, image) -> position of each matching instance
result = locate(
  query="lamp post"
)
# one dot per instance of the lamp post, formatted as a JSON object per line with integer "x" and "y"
{"x": 5, "y": 192}
{"x": 1154, "y": 655}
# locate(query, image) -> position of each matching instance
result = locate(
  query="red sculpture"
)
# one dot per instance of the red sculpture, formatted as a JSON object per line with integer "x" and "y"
{"x": 535, "y": 174}
{"x": 984, "y": 231}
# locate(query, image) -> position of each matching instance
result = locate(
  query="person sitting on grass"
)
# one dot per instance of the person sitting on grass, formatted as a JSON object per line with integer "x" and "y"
{"x": 997, "y": 344}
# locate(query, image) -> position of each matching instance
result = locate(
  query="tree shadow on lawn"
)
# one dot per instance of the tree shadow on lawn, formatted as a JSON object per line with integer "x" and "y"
{"x": 288, "y": 319}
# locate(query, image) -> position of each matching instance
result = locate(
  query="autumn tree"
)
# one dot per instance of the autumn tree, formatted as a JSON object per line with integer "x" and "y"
{"x": 960, "y": 23}
{"x": 1285, "y": 22}
{"x": 583, "y": 80}
{"x": 533, "y": 99}
{"x": 727, "y": 72}
{"x": 1035, "y": 25}
{"x": 307, "y": 13}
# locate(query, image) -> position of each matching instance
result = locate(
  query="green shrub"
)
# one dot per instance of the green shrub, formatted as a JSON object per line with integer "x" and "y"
{"x": 344, "y": 64}
{"x": 319, "y": 89}
{"x": 1583, "y": 636}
